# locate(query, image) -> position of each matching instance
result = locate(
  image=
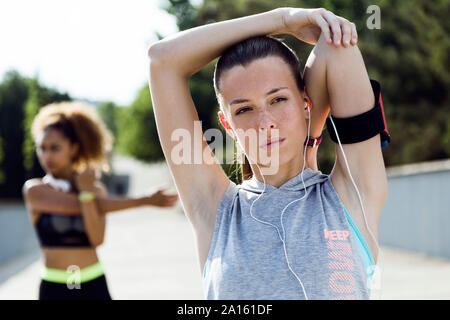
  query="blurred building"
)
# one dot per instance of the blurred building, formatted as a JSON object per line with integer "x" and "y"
{"x": 417, "y": 212}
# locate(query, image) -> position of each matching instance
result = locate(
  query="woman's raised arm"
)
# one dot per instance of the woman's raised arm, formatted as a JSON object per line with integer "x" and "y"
{"x": 200, "y": 180}
{"x": 175, "y": 59}
{"x": 188, "y": 51}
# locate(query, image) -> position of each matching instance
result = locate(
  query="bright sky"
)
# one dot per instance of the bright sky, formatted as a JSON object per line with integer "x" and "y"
{"x": 92, "y": 49}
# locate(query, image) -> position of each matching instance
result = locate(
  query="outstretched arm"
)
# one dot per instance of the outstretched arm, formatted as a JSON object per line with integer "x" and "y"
{"x": 41, "y": 197}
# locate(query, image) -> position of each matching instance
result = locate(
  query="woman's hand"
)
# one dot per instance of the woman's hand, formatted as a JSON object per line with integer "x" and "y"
{"x": 161, "y": 198}
{"x": 85, "y": 180}
{"x": 308, "y": 24}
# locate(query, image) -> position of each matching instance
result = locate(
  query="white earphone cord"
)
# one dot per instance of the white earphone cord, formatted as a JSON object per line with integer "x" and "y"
{"x": 359, "y": 196}
{"x": 282, "y": 238}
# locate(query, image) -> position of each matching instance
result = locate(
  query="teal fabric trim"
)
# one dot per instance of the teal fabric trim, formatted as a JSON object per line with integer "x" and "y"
{"x": 363, "y": 247}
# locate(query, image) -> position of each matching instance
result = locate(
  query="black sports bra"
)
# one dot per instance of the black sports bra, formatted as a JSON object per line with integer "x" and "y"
{"x": 56, "y": 230}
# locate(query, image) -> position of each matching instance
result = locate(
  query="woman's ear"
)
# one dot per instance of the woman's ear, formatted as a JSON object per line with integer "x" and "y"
{"x": 308, "y": 104}
{"x": 74, "y": 149}
{"x": 225, "y": 124}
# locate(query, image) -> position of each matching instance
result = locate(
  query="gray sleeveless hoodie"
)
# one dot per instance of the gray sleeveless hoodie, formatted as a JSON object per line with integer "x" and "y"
{"x": 247, "y": 260}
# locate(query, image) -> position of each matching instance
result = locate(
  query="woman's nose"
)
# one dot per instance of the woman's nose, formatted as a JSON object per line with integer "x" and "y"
{"x": 266, "y": 121}
{"x": 44, "y": 155}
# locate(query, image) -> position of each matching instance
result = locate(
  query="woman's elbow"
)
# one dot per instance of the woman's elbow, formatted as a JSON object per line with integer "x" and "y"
{"x": 164, "y": 57}
{"x": 156, "y": 54}
{"x": 97, "y": 243}
{"x": 31, "y": 194}
{"x": 96, "y": 239}
{"x": 334, "y": 53}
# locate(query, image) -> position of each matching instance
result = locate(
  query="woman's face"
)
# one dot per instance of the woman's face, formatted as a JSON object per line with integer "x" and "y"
{"x": 261, "y": 98}
{"x": 55, "y": 152}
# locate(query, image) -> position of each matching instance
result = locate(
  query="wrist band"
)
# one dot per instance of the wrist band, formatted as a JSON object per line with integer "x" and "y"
{"x": 312, "y": 142}
{"x": 362, "y": 126}
{"x": 86, "y": 196}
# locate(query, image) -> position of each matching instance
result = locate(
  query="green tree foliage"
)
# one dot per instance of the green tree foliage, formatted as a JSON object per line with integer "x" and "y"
{"x": 13, "y": 94}
{"x": 38, "y": 96}
{"x": 138, "y": 134}
{"x": 31, "y": 108}
{"x": 2, "y": 156}
{"x": 109, "y": 111}
{"x": 408, "y": 56}
{"x": 20, "y": 100}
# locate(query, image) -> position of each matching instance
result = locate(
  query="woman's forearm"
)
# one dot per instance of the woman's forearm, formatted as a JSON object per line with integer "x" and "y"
{"x": 107, "y": 205}
{"x": 190, "y": 50}
{"x": 47, "y": 199}
{"x": 94, "y": 221}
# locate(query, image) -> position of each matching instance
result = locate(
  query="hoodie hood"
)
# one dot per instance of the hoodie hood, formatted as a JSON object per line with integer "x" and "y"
{"x": 310, "y": 177}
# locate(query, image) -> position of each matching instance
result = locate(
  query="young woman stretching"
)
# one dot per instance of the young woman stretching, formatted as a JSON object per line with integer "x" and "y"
{"x": 68, "y": 206}
{"x": 293, "y": 233}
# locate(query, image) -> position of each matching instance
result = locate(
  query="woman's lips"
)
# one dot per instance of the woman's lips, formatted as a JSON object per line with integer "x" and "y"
{"x": 273, "y": 144}
{"x": 50, "y": 165}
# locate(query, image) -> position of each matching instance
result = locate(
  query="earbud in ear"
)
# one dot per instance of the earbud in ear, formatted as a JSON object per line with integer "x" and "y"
{"x": 308, "y": 106}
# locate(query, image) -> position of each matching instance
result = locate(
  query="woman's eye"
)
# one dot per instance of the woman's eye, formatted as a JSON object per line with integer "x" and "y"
{"x": 242, "y": 110}
{"x": 278, "y": 99}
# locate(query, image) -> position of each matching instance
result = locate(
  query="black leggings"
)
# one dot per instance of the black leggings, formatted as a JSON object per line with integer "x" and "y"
{"x": 96, "y": 289}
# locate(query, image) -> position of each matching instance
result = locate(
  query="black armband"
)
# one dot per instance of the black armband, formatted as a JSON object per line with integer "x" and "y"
{"x": 362, "y": 126}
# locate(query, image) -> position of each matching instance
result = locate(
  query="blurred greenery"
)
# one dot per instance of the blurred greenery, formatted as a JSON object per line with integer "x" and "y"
{"x": 408, "y": 56}
{"x": 137, "y": 126}
{"x": 20, "y": 100}
{"x": 38, "y": 96}
{"x": 110, "y": 113}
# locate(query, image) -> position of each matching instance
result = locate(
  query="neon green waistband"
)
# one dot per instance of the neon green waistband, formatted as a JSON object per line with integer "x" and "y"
{"x": 73, "y": 274}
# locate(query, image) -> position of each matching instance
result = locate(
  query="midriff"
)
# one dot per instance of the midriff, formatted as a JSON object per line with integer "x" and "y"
{"x": 62, "y": 258}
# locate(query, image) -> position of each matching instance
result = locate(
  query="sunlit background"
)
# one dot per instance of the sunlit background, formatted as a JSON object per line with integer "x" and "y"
{"x": 94, "y": 50}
